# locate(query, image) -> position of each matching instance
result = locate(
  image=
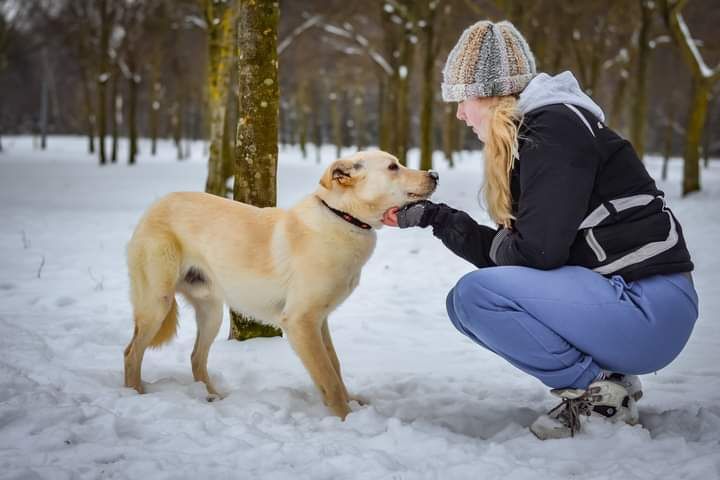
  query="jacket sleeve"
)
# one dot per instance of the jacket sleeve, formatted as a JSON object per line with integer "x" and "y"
{"x": 557, "y": 166}
{"x": 463, "y": 235}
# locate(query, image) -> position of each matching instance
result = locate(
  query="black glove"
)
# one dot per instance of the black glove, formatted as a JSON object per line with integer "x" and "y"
{"x": 417, "y": 214}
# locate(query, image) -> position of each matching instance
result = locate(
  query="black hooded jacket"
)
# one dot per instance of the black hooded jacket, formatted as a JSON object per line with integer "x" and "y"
{"x": 580, "y": 196}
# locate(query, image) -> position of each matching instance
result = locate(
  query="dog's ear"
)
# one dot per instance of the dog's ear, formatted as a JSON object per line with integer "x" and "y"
{"x": 340, "y": 171}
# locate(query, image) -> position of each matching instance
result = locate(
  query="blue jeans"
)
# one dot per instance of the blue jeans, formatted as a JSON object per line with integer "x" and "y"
{"x": 565, "y": 326}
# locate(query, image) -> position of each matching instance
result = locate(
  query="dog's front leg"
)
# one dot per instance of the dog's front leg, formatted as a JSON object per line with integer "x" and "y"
{"x": 305, "y": 335}
{"x": 327, "y": 341}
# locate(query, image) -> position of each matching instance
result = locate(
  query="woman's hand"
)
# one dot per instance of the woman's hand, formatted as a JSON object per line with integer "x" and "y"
{"x": 417, "y": 214}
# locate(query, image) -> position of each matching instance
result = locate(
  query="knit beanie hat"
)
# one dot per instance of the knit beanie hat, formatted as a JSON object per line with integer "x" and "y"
{"x": 490, "y": 59}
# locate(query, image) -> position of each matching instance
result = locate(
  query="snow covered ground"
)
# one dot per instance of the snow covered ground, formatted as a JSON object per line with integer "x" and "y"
{"x": 440, "y": 407}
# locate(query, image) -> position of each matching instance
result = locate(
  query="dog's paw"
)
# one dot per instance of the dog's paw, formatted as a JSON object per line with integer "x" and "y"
{"x": 361, "y": 400}
{"x": 213, "y": 397}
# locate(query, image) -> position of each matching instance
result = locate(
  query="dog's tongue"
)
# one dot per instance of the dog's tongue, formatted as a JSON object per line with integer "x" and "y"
{"x": 388, "y": 217}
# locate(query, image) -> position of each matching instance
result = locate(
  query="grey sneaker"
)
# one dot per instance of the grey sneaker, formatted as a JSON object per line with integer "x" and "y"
{"x": 605, "y": 399}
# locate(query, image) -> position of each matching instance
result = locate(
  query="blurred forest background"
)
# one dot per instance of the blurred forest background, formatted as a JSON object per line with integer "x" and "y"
{"x": 350, "y": 73}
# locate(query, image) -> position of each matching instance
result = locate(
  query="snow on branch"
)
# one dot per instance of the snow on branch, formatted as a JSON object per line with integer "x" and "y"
{"x": 362, "y": 42}
{"x": 286, "y": 42}
{"x": 705, "y": 71}
{"x": 688, "y": 46}
{"x": 195, "y": 21}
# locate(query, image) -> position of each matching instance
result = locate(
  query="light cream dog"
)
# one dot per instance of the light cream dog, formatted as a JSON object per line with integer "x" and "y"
{"x": 289, "y": 268}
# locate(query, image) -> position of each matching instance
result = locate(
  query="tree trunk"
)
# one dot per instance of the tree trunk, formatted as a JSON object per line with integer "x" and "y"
{"x": 317, "y": 132}
{"x": 359, "y": 119}
{"x": 134, "y": 85}
{"x": 257, "y": 133}
{"x": 303, "y": 115}
{"x": 637, "y": 134}
{"x": 189, "y": 129}
{"x": 228, "y": 153}
{"x": 428, "y": 93}
{"x": 617, "y": 112}
{"x": 44, "y": 99}
{"x": 403, "y": 110}
{"x": 336, "y": 122}
{"x": 177, "y": 120}
{"x": 707, "y": 135}
{"x": 89, "y": 117}
{"x": 450, "y": 133}
{"x": 696, "y": 121}
{"x": 219, "y": 20}
{"x": 157, "y": 91}
{"x": 115, "y": 113}
{"x": 103, "y": 75}
{"x": 667, "y": 148}
{"x": 385, "y": 115}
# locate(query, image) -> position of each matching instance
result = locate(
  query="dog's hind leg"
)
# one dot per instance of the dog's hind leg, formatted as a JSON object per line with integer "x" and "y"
{"x": 154, "y": 266}
{"x": 150, "y": 322}
{"x": 209, "y": 315}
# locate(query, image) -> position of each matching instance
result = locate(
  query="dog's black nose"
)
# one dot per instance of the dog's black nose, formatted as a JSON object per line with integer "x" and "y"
{"x": 435, "y": 176}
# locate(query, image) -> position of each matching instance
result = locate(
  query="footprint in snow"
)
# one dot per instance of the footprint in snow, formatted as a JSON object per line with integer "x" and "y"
{"x": 64, "y": 301}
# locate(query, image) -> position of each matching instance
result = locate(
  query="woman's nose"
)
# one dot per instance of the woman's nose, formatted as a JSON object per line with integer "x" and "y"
{"x": 460, "y": 113}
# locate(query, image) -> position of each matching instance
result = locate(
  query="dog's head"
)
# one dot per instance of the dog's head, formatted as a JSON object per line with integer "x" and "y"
{"x": 368, "y": 183}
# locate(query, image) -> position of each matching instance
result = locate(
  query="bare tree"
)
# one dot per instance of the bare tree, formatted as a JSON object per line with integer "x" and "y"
{"x": 703, "y": 80}
{"x": 107, "y": 13}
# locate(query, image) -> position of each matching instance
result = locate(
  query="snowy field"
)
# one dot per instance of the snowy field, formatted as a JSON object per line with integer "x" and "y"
{"x": 440, "y": 406}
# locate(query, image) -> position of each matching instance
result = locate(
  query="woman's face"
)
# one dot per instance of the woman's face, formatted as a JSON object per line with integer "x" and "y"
{"x": 476, "y": 112}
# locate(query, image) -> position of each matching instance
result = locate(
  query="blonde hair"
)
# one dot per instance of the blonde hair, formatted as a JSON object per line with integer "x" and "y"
{"x": 501, "y": 150}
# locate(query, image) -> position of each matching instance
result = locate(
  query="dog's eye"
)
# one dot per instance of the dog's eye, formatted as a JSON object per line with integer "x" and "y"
{"x": 393, "y": 166}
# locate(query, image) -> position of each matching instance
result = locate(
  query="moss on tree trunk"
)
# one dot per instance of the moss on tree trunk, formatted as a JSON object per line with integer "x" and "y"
{"x": 696, "y": 122}
{"x": 256, "y": 149}
{"x": 218, "y": 17}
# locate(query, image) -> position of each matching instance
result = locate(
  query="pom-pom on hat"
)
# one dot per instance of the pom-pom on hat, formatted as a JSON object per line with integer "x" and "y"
{"x": 489, "y": 60}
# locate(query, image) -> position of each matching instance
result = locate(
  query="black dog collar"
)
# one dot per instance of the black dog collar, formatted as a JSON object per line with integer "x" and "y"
{"x": 347, "y": 217}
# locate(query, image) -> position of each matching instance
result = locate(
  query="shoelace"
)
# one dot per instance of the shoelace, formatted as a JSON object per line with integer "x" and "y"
{"x": 569, "y": 412}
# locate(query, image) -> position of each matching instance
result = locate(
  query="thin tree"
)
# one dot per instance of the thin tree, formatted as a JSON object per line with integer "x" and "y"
{"x": 703, "y": 80}
{"x": 256, "y": 149}
{"x": 428, "y": 83}
{"x": 107, "y": 14}
{"x": 116, "y": 103}
{"x": 639, "y": 110}
{"x": 219, "y": 18}
{"x": 45, "y": 99}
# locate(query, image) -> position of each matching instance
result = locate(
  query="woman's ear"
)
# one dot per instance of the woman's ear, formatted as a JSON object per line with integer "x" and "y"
{"x": 339, "y": 171}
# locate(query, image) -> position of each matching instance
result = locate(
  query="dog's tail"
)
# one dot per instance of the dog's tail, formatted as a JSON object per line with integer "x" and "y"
{"x": 154, "y": 267}
{"x": 168, "y": 329}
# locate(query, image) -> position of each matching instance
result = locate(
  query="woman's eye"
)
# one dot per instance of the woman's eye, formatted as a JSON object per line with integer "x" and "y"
{"x": 393, "y": 166}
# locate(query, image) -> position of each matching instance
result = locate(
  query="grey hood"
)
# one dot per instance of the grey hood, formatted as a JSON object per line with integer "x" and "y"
{"x": 562, "y": 88}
